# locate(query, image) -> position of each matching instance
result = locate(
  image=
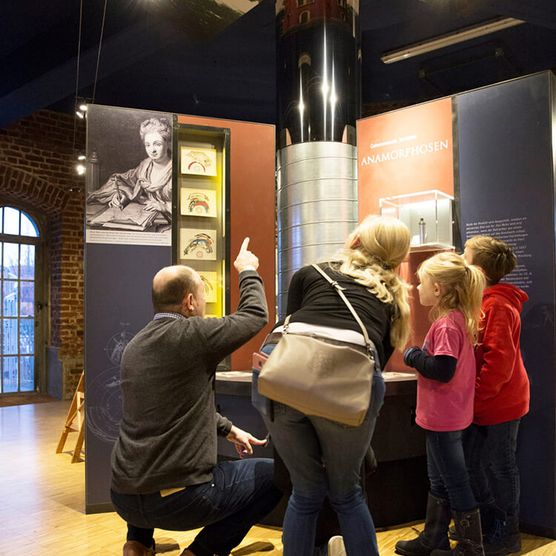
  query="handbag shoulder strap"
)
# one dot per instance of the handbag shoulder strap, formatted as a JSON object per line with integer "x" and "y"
{"x": 339, "y": 289}
{"x": 286, "y": 324}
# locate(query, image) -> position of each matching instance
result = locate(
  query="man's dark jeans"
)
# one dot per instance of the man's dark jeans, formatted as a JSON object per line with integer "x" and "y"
{"x": 240, "y": 495}
{"x": 490, "y": 452}
{"x": 446, "y": 469}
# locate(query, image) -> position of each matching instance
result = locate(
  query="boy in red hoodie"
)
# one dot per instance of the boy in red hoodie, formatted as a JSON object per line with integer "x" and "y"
{"x": 501, "y": 398}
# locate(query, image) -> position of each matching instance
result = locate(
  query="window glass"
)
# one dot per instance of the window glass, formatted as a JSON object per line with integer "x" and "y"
{"x": 27, "y": 336}
{"x": 9, "y": 374}
{"x": 27, "y": 371}
{"x": 9, "y": 298}
{"x": 27, "y": 261}
{"x": 11, "y": 261}
{"x": 9, "y": 337}
{"x": 11, "y": 221}
{"x": 28, "y": 227}
{"x": 27, "y": 299}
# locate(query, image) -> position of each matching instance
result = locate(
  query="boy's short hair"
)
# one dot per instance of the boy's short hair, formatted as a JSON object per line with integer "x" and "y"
{"x": 494, "y": 256}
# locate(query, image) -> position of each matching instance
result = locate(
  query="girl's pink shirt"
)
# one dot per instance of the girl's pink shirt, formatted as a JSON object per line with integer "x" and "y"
{"x": 448, "y": 406}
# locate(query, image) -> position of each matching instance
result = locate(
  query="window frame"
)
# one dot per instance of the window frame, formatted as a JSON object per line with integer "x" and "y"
{"x": 40, "y": 317}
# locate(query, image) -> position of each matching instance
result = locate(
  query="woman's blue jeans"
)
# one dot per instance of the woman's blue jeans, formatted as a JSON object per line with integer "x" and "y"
{"x": 490, "y": 453}
{"x": 447, "y": 472}
{"x": 324, "y": 459}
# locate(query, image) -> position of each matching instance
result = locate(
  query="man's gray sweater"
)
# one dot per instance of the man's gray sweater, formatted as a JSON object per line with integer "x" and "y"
{"x": 169, "y": 426}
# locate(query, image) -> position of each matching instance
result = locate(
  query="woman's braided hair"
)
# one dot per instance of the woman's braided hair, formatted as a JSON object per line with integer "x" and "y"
{"x": 371, "y": 255}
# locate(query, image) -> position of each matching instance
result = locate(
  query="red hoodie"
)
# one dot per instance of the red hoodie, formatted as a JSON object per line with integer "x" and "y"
{"x": 502, "y": 385}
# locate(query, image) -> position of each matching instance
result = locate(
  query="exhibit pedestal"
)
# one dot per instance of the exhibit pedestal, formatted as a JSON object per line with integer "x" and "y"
{"x": 397, "y": 491}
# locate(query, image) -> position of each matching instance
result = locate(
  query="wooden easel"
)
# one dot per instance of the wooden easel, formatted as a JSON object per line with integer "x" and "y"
{"x": 76, "y": 411}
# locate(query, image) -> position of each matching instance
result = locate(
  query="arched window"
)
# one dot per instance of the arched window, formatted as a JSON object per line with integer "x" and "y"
{"x": 304, "y": 16}
{"x": 19, "y": 240}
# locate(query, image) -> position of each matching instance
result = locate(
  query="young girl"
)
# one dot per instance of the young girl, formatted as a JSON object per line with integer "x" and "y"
{"x": 445, "y": 392}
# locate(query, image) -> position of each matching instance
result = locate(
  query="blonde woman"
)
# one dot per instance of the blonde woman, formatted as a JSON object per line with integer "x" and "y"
{"x": 445, "y": 394}
{"x": 324, "y": 457}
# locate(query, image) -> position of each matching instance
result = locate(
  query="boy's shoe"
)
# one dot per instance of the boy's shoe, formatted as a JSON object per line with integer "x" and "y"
{"x": 505, "y": 539}
{"x": 503, "y": 548}
{"x": 336, "y": 547}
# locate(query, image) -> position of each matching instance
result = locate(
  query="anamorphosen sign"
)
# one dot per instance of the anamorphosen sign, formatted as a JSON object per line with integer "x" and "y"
{"x": 405, "y": 151}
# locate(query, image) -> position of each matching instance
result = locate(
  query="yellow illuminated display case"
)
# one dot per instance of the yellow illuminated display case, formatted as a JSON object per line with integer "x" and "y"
{"x": 201, "y": 199}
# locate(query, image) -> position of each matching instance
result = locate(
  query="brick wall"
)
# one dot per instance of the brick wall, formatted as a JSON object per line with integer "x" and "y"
{"x": 37, "y": 161}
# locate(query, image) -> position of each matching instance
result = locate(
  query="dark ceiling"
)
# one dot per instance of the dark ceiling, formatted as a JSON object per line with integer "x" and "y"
{"x": 170, "y": 55}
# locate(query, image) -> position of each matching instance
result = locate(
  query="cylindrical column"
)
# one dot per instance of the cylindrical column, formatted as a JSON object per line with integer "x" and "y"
{"x": 317, "y": 205}
{"x": 318, "y": 105}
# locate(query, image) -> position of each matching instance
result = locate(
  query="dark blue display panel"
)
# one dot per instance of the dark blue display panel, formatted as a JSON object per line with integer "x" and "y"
{"x": 506, "y": 189}
{"x": 128, "y": 239}
{"x": 117, "y": 306}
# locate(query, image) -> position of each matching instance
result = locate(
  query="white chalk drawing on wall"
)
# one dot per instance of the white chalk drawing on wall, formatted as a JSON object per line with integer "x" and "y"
{"x": 105, "y": 414}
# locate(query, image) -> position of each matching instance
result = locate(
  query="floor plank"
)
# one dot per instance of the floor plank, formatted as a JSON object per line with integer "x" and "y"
{"x": 42, "y": 494}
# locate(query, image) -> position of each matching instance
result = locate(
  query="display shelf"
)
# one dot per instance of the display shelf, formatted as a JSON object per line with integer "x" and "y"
{"x": 431, "y": 247}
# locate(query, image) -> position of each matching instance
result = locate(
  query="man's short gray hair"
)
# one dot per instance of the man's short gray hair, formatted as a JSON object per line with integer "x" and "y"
{"x": 171, "y": 285}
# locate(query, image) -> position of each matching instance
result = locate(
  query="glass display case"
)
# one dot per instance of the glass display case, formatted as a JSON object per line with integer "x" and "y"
{"x": 201, "y": 198}
{"x": 427, "y": 214}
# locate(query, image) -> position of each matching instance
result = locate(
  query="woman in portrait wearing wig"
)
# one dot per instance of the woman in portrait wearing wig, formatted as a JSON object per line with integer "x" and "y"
{"x": 150, "y": 183}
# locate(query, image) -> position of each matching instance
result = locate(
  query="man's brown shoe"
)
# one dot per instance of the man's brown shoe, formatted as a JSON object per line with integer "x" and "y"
{"x": 134, "y": 548}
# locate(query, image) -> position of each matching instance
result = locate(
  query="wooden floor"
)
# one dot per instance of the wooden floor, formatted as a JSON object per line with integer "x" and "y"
{"x": 42, "y": 499}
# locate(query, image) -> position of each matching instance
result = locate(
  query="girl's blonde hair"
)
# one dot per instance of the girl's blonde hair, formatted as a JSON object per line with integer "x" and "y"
{"x": 371, "y": 254}
{"x": 461, "y": 287}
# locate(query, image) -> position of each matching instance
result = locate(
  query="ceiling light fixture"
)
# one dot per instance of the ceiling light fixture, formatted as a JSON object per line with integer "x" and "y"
{"x": 461, "y": 35}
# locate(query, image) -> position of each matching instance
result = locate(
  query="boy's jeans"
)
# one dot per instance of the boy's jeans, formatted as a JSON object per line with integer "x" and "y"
{"x": 490, "y": 453}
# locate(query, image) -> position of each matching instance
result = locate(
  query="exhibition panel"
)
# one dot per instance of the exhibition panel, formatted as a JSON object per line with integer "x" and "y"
{"x": 506, "y": 178}
{"x": 162, "y": 191}
{"x": 126, "y": 244}
{"x": 482, "y": 162}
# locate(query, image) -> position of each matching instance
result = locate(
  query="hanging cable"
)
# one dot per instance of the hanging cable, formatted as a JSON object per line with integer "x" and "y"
{"x": 77, "y": 69}
{"x": 78, "y": 50}
{"x": 99, "y": 50}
